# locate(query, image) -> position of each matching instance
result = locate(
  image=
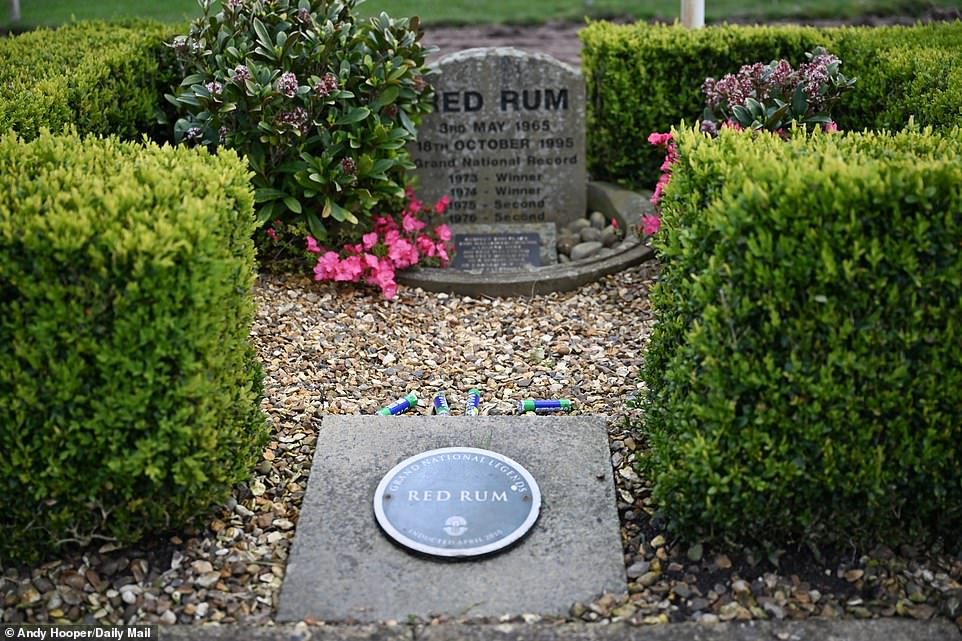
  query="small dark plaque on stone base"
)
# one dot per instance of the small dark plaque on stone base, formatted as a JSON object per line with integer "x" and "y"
{"x": 497, "y": 252}
{"x": 457, "y": 502}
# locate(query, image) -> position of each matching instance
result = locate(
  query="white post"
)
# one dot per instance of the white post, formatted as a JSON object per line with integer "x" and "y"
{"x": 14, "y": 10}
{"x": 693, "y": 13}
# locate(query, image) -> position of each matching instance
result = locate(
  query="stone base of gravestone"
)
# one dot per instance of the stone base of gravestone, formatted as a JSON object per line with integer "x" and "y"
{"x": 627, "y": 207}
{"x": 343, "y": 567}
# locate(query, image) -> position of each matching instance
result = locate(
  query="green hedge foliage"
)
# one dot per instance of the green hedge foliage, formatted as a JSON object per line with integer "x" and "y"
{"x": 102, "y": 77}
{"x": 804, "y": 375}
{"x": 129, "y": 392}
{"x": 643, "y": 78}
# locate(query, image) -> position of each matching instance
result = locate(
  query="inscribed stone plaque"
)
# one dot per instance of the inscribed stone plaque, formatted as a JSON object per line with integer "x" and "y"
{"x": 457, "y": 502}
{"x": 506, "y": 141}
{"x": 497, "y": 252}
{"x": 504, "y": 248}
{"x": 342, "y": 567}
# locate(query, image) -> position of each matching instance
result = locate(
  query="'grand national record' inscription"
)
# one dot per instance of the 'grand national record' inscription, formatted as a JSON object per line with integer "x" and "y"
{"x": 506, "y": 141}
{"x": 457, "y": 502}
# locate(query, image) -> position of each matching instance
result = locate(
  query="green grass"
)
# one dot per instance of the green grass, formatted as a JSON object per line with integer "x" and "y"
{"x": 55, "y": 12}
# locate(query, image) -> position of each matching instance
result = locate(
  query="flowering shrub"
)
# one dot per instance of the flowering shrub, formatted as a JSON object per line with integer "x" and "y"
{"x": 394, "y": 243}
{"x": 772, "y": 96}
{"x": 321, "y": 105}
{"x": 756, "y": 98}
{"x": 651, "y": 223}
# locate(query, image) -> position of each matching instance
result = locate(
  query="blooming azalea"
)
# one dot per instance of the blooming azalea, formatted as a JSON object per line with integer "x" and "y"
{"x": 426, "y": 246}
{"x": 326, "y": 266}
{"x": 402, "y": 253}
{"x": 369, "y": 240}
{"x": 402, "y": 238}
{"x": 650, "y": 224}
{"x": 411, "y": 224}
{"x": 659, "y": 139}
{"x": 349, "y": 268}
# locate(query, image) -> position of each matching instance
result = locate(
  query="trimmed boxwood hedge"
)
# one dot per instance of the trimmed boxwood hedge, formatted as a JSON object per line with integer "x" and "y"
{"x": 643, "y": 78}
{"x": 804, "y": 374}
{"x": 129, "y": 392}
{"x": 101, "y": 77}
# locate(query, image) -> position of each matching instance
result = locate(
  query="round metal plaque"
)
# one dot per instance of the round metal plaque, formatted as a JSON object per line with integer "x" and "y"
{"x": 457, "y": 502}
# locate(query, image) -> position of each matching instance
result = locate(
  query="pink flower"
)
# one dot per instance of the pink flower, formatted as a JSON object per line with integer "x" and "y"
{"x": 370, "y": 261}
{"x": 369, "y": 240}
{"x": 660, "y": 188}
{"x": 349, "y": 269}
{"x": 830, "y": 128}
{"x": 443, "y": 254}
{"x": 650, "y": 225}
{"x": 426, "y": 246}
{"x": 383, "y": 276}
{"x": 411, "y": 224}
{"x": 383, "y": 224}
{"x": 270, "y": 231}
{"x": 326, "y": 266}
{"x": 670, "y": 158}
{"x": 415, "y": 205}
{"x": 391, "y": 236}
{"x": 441, "y": 205}
{"x": 312, "y": 245}
{"x": 442, "y": 233}
{"x": 658, "y": 139}
{"x": 402, "y": 253}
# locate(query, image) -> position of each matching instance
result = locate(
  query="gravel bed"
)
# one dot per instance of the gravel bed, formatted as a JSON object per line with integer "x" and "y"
{"x": 333, "y": 349}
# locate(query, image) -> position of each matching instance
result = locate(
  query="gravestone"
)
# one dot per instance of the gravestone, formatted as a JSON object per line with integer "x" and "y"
{"x": 506, "y": 144}
{"x": 343, "y": 566}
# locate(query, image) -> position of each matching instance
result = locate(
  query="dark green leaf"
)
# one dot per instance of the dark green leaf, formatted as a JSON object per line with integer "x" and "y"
{"x": 315, "y": 226}
{"x": 386, "y": 97}
{"x": 292, "y": 204}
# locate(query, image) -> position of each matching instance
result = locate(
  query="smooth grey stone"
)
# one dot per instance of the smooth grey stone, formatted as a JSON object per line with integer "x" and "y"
{"x": 577, "y": 225}
{"x": 598, "y": 220}
{"x": 585, "y": 250}
{"x": 590, "y": 235}
{"x": 566, "y": 243}
{"x": 609, "y": 236}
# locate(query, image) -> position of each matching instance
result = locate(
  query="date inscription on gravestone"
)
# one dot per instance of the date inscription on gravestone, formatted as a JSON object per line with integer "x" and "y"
{"x": 457, "y": 502}
{"x": 497, "y": 252}
{"x": 506, "y": 140}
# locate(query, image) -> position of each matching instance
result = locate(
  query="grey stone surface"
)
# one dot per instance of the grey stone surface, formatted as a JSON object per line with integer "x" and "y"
{"x": 563, "y": 277}
{"x": 506, "y": 140}
{"x": 342, "y": 567}
{"x": 608, "y": 198}
{"x": 811, "y": 630}
{"x": 585, "y": 250}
